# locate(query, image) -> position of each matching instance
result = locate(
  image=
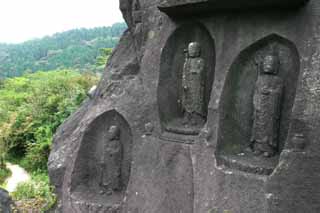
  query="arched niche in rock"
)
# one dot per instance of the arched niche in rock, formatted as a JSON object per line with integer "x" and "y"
{"x": 170, "y": 88}
{"x": 237, "y": 109}
{"x": 102, "y": 167}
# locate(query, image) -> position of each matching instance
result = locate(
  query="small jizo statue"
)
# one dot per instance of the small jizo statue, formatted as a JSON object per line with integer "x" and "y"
{"x": 267, "y": 108}
{"x": 111, "y": 162}
{"x": 149, "y": 128}
{"x": 193, "y": 86}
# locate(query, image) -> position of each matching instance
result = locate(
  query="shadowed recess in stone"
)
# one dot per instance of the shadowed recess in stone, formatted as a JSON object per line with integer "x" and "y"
{"x": 190, "y": 49}
{"x": 183, "y": 7}
{"x": 240, "y": 124}
{"x": 102, "y": 169}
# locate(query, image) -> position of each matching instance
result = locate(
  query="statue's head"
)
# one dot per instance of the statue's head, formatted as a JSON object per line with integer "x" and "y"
{"x": 149, "y": 128}
{"x": 114, "y": 132}
{"x": 270, "y": 64}
{"x": 194, "y": 49}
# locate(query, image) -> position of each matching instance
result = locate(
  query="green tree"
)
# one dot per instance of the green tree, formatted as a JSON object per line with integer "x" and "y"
{"x": 103, "y": 57}
{"x": 33, "y": 106}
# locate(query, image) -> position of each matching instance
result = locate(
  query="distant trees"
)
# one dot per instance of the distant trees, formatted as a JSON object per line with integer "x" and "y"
{"x": 75, "y": 49}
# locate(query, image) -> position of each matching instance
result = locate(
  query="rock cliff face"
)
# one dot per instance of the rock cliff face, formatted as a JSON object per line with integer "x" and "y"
{"x": 200, "y": 6}
{"x": 162, "y": 157}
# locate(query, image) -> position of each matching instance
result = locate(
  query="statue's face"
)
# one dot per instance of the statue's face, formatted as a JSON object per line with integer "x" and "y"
{"x": 194, "y": 49}
{"x": 114, "y": 131}
{"x": 270, "y": 65}
{"x": 149, "y": 127}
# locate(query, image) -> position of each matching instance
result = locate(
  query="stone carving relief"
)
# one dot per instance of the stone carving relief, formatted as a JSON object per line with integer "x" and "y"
{"x": 193, "y": 86}
{"x": 138, "y": 28}
{"x": 102, "y": 169}
{"x": 256, "y": 105}
{"x": 267, "y": 108}
{"x": 149, "y": 127}
{"x": 110, "y": 164}
{"x": 186, "y": 78}
{"x": 136, "y": 12}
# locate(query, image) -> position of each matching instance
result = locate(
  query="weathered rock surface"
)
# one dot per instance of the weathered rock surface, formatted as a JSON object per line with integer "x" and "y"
{"x": 5, "y": 201}
{"x": 175, "y": 171}
{"x": 183, "y": 7}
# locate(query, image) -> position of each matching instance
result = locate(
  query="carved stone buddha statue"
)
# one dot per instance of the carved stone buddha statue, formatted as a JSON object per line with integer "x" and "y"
{"x": 267, "y": 108}
{"x": 111, "y": 162}
{"x": 193, "y": 86}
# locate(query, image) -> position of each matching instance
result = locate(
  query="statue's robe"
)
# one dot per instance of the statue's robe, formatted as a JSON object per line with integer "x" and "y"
{"x": 193, "y": 86}
{"x": 267, "y": 110}
{"x": 111, "y": 173}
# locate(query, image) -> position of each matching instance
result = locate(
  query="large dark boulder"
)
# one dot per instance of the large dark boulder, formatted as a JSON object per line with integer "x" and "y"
{"x": 252, "y": 143}
{"x": 5, "y": 201}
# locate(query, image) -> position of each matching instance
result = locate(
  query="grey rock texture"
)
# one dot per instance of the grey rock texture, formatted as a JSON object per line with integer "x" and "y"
{"x": 184, "y": 7}
{"x": 166, "y": 172}
{"x": 5, "y": 202}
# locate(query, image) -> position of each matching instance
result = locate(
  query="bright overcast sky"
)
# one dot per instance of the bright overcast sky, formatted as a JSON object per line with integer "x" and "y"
{"x": 22, "y": 20}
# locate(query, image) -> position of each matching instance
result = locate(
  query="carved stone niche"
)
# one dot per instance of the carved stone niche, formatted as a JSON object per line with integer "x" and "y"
{"x": 136, "y": 12}
{"x": 187, "y": 69}
{"x": 102, "y": 167}
{"x": 256, "y": 105}
{"x": 184, "y": 7}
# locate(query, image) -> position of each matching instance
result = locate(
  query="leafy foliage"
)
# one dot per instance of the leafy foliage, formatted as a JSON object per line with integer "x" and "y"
{"x": 104, "y": 56}
{"x": 35, "y": 195}
{"x": 74, "y": 49}
{"x": 4, "y": 173}
{"x": 33, "y": 105}
{"x": 31, "y": 109}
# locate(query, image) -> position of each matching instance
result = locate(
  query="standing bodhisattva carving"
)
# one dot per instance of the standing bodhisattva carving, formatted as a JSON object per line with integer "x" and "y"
{"x": 193, "y": 86}
{"x": 111, "y": 162}
{"x": 267, "y": 108}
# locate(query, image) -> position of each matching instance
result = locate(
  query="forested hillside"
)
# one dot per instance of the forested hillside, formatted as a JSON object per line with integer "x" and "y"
{"x": 32, "y": 106}
{"x": 75, "y": 49}
{"x": 42, "y": 82}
